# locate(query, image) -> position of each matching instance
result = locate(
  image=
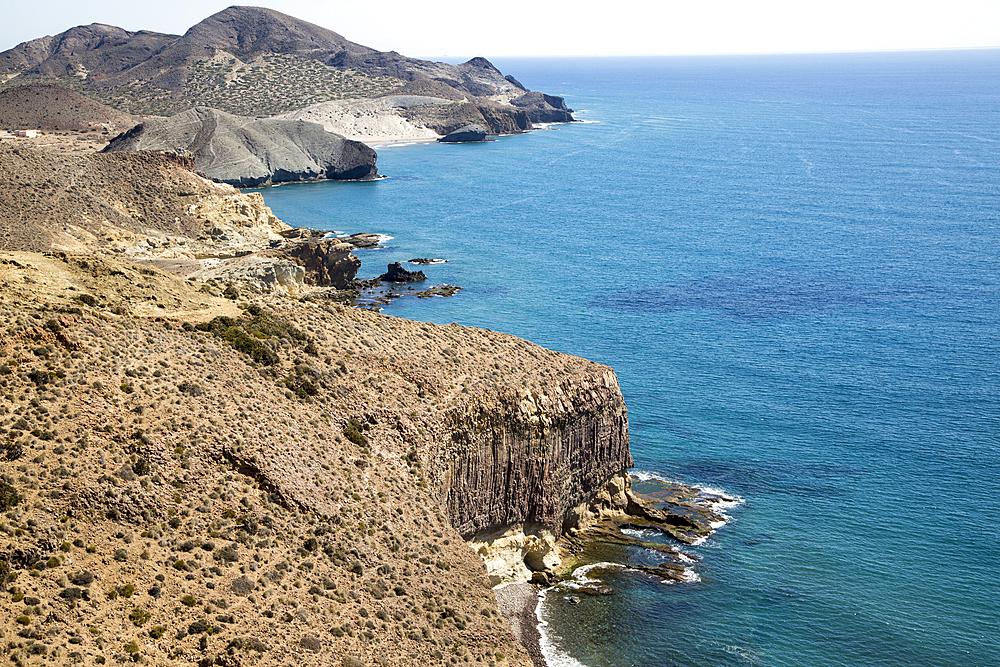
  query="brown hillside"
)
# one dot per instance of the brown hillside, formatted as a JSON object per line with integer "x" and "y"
{"x": 55, "y": 108}
{"x": 101, "y": 200}
{"x": 178, "y": 495}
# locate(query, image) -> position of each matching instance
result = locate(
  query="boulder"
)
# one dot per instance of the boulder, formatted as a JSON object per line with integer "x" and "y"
{"x": 397, "y": 274}
{"x": 248, "y": 152}
{"x": 466, "y": 134}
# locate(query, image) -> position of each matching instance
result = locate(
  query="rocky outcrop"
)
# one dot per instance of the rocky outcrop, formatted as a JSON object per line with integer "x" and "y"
{"x": 395, "y": 273}
{"x": 542, "y": 108}
{"x": 326, "y": 263}
{"x": 247, "y": 152}
{"x": 471, "y": 133}
{"x": 444, "y": 119}
{"x": 530, "y": 458}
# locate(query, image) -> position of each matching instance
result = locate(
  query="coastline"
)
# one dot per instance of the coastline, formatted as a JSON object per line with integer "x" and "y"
{"x": 518, "y": 604}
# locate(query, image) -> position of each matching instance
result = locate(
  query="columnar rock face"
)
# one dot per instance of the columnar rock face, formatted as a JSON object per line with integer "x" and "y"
{"x": 525, "y": 457}
{"x": 248, "y": 152}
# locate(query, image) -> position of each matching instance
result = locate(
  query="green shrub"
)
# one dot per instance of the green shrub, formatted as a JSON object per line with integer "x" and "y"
{"x": 8, "y": 496}
{"x": 86, "y": 300}
{"x": 128, "y": 590}
{"x": 139, "y": 617}
{"x": 189, "y": 600}
{"x": 157, "y": 631}
{"x": 23, "y": 620}
{"x": 353, "y": 432}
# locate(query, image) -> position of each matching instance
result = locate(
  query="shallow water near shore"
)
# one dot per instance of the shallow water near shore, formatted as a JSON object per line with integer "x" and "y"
{"x": 793, "y": 264}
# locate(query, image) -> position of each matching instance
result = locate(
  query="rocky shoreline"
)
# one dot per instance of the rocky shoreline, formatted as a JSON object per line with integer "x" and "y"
{"x": 518, "y": 603}
{"x": 685, "y": 514}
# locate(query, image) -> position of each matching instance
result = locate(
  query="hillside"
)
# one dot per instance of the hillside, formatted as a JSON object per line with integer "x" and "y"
{"x": 200, "y": 472}
{"x": 56, "y": 108}
{"x": 243, "y": 60}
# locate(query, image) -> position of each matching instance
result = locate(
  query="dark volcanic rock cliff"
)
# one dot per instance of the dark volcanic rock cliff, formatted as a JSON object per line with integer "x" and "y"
{"x": 529, "y": 456}
{"x": 248, "y": 152}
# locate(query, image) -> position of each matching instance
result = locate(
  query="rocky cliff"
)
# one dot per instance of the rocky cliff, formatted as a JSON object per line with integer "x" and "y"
{"x": 527, "y": 457}
{"x": 194, "y": 471}
{"x": 247, "y": 152}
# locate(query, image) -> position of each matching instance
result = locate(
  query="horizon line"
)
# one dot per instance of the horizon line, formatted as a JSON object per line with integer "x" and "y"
{"x": 723, "y": 53}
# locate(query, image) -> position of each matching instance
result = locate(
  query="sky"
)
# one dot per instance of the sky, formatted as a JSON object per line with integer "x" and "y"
{"x": 453, "y": 29}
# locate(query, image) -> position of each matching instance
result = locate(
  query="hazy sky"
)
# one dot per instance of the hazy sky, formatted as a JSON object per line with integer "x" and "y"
{"x": 461, "y": 29}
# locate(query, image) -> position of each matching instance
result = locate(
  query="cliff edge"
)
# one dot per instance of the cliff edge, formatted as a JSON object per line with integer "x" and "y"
{"x": 199, "y": 472}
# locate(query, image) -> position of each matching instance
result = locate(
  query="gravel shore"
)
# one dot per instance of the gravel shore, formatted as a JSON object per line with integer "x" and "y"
{"x": 517, "y": 603}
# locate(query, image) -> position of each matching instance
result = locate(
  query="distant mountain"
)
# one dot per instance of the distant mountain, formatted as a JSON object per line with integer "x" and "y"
{"x": 244, "y": 60}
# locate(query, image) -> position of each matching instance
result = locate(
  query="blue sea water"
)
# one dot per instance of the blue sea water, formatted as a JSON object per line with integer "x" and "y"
{"x": 793, "y": 264}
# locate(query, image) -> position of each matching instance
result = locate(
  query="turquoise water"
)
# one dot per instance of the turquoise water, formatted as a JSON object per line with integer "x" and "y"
{"x": 793, "y": 264}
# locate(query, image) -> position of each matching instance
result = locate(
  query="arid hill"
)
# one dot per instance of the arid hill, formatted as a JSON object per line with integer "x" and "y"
{"x": 56, "y": 108}
{"x": 247, "y": 61}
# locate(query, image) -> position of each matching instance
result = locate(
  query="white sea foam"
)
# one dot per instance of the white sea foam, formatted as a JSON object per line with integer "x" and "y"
{"x": 690, "y": 576}
{"x": 645, "y": 476}
{"x": 553, "y": 656}
{"x": 580, "y": 574}
{"x": 640, "y": 534}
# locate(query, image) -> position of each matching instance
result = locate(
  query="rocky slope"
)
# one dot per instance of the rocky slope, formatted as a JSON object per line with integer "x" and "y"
{"x": 151, "y": 208}
{"x": 280, "y": 480}
{"x": 246, "y": 152}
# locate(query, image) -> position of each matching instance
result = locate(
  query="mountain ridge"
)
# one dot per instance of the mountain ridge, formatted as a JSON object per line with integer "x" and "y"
{"x": 244, "y": 60}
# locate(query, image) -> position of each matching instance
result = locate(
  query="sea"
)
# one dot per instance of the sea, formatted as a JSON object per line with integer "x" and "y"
{"x": 793, "y": 265}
